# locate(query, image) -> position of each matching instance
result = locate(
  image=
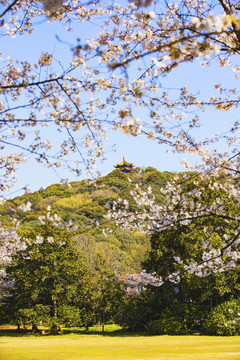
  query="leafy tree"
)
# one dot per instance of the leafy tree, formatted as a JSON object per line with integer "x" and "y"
{"x": 34, "y": 316}
{"x": 194, "y": 236}
{"x": 10, "y": 245}
{"x": 201, "y": 211}
{"x": 49, "y": 271}
{"x": 108, "y": 294}
{"x": 72, "y": 316}
{"x": 137, "y": 311}
{"x": 92, "y": 210}
{"x": 224, "y": 319}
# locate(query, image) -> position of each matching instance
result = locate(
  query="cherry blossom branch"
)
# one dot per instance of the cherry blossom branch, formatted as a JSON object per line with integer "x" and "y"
{"x": 10, "y": 6}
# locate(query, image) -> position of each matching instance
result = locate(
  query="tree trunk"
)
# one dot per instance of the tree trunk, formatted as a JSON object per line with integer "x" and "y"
{"x": 55, "y": 309}
{"x": 185, "y": 324}
{"x": 103, "y": 320}
{"x": 35, "y": 329}
{"x": 55, "y": 328}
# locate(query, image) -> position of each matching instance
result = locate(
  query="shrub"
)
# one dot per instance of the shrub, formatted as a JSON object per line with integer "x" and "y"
{"x": 224, "y": 319}
{"x": 33, "y": 316}
{"x": 168, "y": 324}
{"x": 70, "y": 316}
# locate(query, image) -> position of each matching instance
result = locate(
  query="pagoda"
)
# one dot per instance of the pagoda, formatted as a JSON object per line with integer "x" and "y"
{"x": 124, "y": 166}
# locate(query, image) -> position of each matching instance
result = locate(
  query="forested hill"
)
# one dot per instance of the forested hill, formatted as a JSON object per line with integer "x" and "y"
{"x": 84, "y": 202}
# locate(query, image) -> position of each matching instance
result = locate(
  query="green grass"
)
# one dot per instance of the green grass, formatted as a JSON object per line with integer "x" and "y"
{"x": 116, "y": 345}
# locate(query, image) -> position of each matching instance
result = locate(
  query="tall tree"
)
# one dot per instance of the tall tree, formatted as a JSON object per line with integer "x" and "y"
{"x": 189, "y": 295}
{"x": 49, "y": 270}
{"x": 201, "y": 212}
{"x": 108, "y": 292}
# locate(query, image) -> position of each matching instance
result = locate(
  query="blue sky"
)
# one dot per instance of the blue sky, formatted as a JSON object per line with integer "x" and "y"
{"x": 138, "y": 150}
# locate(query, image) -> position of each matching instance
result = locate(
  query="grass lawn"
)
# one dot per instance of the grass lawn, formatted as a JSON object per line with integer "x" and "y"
{"x": 118, "y": 346}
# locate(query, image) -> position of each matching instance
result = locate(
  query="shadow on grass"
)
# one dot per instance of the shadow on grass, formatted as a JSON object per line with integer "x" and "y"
{"x": 28, "y": 333}
{"x": 116, "y": 333}
{"x": 14, "y": 333}
{"x": 4, "y": 331}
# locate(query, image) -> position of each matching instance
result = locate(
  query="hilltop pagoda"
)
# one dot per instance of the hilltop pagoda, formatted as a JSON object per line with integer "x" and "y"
{"x": 124, "y": 166}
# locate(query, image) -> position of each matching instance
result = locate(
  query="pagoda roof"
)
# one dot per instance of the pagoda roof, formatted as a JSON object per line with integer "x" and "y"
{"x": 124, "y": 163}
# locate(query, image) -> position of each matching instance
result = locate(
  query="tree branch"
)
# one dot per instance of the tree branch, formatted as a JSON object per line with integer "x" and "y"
{"x": 8, "y": 8}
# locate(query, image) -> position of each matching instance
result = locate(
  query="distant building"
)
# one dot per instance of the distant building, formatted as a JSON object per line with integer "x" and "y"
{"x": 124, "y": 166}
{"x": 135, "y": 284}
{"x": 132, "y": 284}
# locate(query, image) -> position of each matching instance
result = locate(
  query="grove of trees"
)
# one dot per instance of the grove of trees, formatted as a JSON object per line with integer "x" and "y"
{"x": 66, "y": 272}
{"x": 47, "y": 280}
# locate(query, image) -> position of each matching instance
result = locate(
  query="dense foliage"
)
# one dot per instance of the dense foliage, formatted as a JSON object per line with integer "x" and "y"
{"x": 47, "y": 271}
{"x": 167, "y": 324}
{"x": 61, "y": 276}
{"x": 84, "y": 203}
{"x": 222, "y": 320}
{"x": 69, "y": 277}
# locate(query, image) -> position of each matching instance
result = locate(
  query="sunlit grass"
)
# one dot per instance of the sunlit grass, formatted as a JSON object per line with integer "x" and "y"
{"x": 118, "y": 346}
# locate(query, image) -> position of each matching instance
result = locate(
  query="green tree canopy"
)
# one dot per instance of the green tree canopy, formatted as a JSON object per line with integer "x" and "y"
{"x": 49, "y": 270}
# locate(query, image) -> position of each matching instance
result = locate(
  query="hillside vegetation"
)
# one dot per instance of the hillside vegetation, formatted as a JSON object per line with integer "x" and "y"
{"x": 84, "y": 203}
